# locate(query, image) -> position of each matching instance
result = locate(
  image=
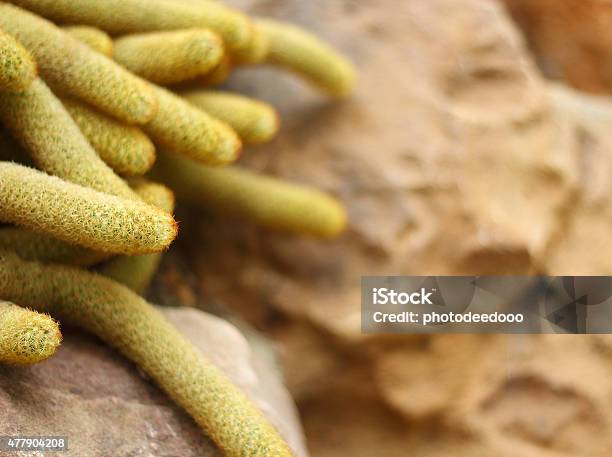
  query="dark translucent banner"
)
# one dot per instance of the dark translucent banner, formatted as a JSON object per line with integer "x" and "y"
{"x": 486, "y": 304}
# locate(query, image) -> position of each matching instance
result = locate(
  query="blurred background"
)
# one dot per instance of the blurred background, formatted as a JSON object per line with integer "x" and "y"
{"x": 478, "y": 142}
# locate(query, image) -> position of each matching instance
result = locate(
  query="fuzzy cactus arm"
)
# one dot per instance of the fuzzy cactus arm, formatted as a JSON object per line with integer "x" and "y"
{"x": 185, "y": 129}
{"x": 17, "y": 68}
{"x": 304, "y": 54}
{"x": 265, "y": 200}
{"x": 255, "y": 51}
{"x": 124, "y": 320}
{"x": 47, "y": 131}
{"x": 71, "y": 67}
{"x": 169, "y": 57}
{"x": 26, "y": 337}
{"x": 81, "y": 215}
{"x": 254, "y": 121}
{"x": 31, "y": 245}
{"x": 219, "y": 74}
{"x": 95, "y": 38}
{"x": 125, "y": 148}
{"x": 120, "y": 17}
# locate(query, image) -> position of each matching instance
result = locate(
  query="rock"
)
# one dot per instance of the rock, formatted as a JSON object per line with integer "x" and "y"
{"x": 583, "y": 246}
{"x": 106, "y": 406}
{"x": 571, "y": 39}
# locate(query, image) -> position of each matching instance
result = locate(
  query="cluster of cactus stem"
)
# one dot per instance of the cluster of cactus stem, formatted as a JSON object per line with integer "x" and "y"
{"x": 94, "y": 146}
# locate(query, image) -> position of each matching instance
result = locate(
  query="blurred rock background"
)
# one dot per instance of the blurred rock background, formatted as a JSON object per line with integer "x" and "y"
{"x": 457, "y": 155}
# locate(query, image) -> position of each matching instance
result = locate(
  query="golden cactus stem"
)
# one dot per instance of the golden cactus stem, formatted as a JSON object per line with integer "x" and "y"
{"x": 17, "y": 68}
{"x": 170, "y": 57}
{"x": 127, "y": 322}
{"x": 125, "y": 148}
{"x": 121, "y": 17}
{"x": 256, "y": 50}
{"x": 219, "y": 74}
{"x": 137, "y": 272}
{"x": 254, "y": 121}
{"x": 31, "y": 245}
{"x": 95, "y": 38}
{"x": 81, "y": 215}
{"x": 26, "y": 337}
{"x": 71, "y": 67}
{"x": 36, "y": 246}
{"x": 185, "y": 129}
{"x": 265, "y": 200}
{"x": 304, "y": 54}
{"x": 46, "y": 130}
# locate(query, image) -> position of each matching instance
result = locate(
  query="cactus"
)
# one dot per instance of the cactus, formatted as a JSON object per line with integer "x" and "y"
{"x": 26, "y": 337}
{"x": 81, "y": 215}
{"x": 125, "y": 148}
{"x": 136, "y": 272}
{"x": 154, "y": 194}
{"x": 73, "y": 68}
{"x": 134, "y": 16}
{"x": 256, "y": 50}
{"x": 124, "y": 320}
{"x": 219, "y": 74}
{"x": 170, "y": 57}
{"x": 43, "y": 126}
{"x": 265, "y": 200}
{"x": 31, "y": 245}
{"x": 94, "y": 38}
{"x": 17, "y": 69}
{"x": 254, "y": 121}
{"x": 185, "y": 129}
{"x": 303, "y": 53}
